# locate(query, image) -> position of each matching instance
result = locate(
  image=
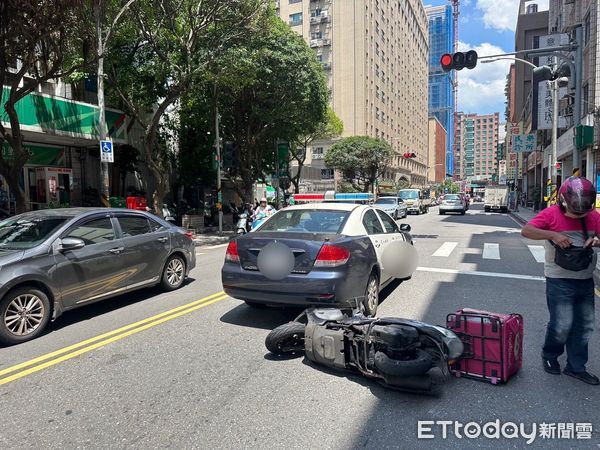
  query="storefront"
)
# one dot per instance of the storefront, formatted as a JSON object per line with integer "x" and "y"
{"x": 59, "y": 134}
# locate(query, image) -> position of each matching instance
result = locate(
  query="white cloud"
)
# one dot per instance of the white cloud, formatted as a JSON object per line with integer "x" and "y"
{"x": 502, "y": 15}
{"x": 481, "y": 90}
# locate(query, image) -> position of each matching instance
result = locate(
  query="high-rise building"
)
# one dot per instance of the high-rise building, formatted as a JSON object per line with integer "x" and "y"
{"x": 476, "y": 146}
{"x": 441, "y": 96}
{"x": 375, "y": 88}
{"x": 437, "y": 151}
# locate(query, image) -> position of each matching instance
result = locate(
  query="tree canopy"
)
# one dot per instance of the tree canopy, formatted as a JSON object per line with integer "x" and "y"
{"x": 271, "y": 89}
{"x": 164, "y": 48}
{"x": 360, "y": 159}
{"x": 330, "y": 127}
{"x": 39, "y": 41}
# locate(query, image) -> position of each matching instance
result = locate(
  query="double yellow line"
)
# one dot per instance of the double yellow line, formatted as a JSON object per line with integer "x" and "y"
{"x": 50, "y": 359}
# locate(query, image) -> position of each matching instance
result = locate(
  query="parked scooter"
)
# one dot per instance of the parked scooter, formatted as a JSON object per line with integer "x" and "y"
{"x": 243, "y": 223}
{"x": 168, "y": 214}
{"x": 399, "y": 353}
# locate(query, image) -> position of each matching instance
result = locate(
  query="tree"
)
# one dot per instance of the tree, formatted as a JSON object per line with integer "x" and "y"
{"x": 275, "y": 90}
{"x": 361, "y": 159}
{"x": 39, "y": 41}
{"x": 331, "y": 127}
{"x": 167, "y": 45}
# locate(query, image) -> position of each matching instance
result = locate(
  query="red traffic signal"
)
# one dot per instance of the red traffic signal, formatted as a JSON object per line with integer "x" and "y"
{"x": 459, "y": 60}
{"x": 557, "y": 165}
{"x": 409, "y": 155}
{"x": 446, "y": 62}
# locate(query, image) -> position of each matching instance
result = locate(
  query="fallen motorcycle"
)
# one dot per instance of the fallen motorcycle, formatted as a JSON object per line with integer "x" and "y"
{"x": 399, "y": 353}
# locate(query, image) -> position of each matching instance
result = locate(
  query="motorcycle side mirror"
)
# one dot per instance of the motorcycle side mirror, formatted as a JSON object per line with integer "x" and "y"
{"x": 405, "y": 227}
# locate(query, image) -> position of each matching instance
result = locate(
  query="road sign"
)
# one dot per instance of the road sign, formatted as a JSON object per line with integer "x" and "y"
{"x": 106, "y": 152}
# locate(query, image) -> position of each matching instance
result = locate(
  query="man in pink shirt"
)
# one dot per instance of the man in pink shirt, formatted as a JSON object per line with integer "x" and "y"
{"x": 569, "y": 291}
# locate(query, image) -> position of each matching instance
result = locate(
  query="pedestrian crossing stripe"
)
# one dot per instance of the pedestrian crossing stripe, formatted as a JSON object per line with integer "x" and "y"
{"x": 538, "y": 252}
{"x": 446, "y": 249}
{"x": 490, "y": 251}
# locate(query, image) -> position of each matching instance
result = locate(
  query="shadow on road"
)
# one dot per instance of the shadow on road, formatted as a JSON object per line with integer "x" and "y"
{"x": 269, "y": 317}
{"x": 264, "y": 318}
{"x": 99, "y": 308}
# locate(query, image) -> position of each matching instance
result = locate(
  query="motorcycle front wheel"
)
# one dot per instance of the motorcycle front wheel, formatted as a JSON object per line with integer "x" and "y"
{"x": 286, "y": 338}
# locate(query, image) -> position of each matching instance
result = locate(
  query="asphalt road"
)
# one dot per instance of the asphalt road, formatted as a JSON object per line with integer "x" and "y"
{"x": 200, "y": 376}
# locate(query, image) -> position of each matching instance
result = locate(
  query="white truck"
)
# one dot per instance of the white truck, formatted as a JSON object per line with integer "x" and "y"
{"x": 496, "y": 199}
{"x": 416, "y": 200}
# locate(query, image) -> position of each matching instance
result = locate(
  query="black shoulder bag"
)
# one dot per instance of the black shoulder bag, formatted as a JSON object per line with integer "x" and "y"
{"x": 574, "y": 258}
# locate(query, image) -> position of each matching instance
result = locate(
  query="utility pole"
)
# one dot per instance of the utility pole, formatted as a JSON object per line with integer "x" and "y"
{"x": 99, "y": 11}
{"x": 102, "y": 129}
{"x": 578, "y": 86}
{"x": 218, "y": 148}
{"x": 554, "y": 176}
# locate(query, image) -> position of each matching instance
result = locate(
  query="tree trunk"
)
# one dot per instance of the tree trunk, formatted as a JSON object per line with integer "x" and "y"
{"x": 12, "y": 179}
{"x": 13, "y": 168}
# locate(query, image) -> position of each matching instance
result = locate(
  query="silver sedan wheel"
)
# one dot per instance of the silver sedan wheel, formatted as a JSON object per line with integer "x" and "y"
{"x": 373, "y": 294}
{"x": 175, "y": 270}
{"x": 24, "y": 314}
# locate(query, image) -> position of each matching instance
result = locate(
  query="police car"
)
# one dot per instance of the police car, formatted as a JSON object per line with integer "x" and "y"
{"x": 337, "y": 249}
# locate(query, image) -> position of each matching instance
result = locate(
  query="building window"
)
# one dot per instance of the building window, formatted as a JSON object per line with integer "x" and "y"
{"x": 318, "y": 153}
{"x": 326, "y": 174}
{"x": 296, "y": 19}
{"x": 294, "y": 1}
{"x": 586, "y": 29}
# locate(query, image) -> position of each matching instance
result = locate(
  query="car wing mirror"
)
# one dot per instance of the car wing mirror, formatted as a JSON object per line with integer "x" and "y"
{"x": 405, "y": 227}
{"x": 70, "y": 243}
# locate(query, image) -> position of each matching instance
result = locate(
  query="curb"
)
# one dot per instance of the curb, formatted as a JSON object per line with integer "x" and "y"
{"x": 517, "y": 217}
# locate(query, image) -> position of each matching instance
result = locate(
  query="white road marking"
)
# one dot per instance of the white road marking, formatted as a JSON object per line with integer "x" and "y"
{"x": 481, "y": 274}
{"x": 538, "y": 252}
{"x": 491, "y": 251}
{"x": 445, "y": 250}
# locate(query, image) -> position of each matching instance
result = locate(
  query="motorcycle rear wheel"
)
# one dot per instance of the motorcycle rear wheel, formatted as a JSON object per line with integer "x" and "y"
{"x": 419, "y": 364}
{"x": 286, "y": 338}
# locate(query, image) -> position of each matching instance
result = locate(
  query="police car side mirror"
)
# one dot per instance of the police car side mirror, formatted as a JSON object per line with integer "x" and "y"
{"x": 405, "y": 227}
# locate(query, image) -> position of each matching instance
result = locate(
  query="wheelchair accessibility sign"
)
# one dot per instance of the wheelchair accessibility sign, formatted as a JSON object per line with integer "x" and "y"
{"x": 106, "y": 152}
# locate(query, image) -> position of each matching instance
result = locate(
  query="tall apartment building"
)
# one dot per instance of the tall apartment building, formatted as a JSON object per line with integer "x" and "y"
{"x": 566, "y": 17}
{"x": 441, "y": 97}
{"x": 375, "y": 88}
{"x": 476, "y": 146}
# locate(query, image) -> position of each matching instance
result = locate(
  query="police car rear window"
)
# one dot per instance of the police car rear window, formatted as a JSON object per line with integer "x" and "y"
{"x": 307, "y": 221}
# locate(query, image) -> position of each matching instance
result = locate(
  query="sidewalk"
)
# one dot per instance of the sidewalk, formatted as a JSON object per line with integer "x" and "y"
{"x": 524, "y": 214}
{"x": 213, "y": 238}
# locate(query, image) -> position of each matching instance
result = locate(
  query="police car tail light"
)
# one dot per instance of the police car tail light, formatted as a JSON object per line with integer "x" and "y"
{"x": 332, "y": 256}
{"x": 232, "y": 254}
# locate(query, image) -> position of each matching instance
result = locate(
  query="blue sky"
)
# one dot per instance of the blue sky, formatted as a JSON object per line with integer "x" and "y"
{"x": 486, "y": 26}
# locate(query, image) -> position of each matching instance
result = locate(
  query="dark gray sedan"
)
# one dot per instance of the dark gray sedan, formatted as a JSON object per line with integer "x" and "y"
{"x": 52, "y": 261}
{"x": 336, "y": 253}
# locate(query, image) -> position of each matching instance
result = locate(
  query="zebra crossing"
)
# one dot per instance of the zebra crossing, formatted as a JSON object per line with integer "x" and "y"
{"x": 490, "y": 250}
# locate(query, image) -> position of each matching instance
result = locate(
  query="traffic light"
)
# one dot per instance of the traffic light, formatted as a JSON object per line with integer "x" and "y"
{"x": 558, "y": 168}
{"x": 409, "y": 155}
{"x": 229, "y": 155}
{"x": 459, "y": 60}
